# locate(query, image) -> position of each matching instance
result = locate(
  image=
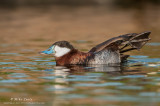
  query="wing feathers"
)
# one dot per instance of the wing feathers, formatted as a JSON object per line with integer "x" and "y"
{"x": 134, "y": 40}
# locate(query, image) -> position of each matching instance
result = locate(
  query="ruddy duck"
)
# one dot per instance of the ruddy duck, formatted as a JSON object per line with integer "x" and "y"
{"x": 108, "y": 52}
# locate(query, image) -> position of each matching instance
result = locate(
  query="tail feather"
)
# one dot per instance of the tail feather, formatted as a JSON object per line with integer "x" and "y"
{"x": 135, "y": 41}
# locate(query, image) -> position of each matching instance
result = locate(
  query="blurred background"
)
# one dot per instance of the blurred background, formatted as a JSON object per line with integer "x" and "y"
{"x": 28, "y": 21}
{"x": 30, "y": 26}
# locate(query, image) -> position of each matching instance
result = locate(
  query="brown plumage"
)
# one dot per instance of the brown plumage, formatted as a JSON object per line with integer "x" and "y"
{"x": 73, "y": 57}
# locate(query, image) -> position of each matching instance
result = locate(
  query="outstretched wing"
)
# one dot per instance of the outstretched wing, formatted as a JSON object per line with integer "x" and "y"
{"x": 134, "y": 40}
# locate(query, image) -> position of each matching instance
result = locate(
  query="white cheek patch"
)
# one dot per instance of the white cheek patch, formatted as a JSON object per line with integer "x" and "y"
{"x": 60, "y": 51}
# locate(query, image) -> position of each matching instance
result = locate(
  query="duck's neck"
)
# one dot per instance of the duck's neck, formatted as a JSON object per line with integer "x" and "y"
{"x": 67, "y": 58}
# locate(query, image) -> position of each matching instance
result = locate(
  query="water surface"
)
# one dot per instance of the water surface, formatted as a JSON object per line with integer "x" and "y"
{"x": 29, "y": 78}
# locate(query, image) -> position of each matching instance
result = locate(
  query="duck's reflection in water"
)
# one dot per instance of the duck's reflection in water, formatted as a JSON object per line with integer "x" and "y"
{"x": 113, "y": 69}
{"x": 61, "y": 74}
{"x": 94, "y": 68}
{"x": 60, "y": 87}
{"x": 109, "y": 69}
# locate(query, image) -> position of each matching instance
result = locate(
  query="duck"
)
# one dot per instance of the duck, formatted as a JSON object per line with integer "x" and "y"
{"x": 111, "y": 51}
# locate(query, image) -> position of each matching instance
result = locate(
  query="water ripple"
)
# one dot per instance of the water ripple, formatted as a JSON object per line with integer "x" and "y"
{"x": 15, "y": 80}
{"x": 99, "y": 85}
{"x": 18, "y": 75}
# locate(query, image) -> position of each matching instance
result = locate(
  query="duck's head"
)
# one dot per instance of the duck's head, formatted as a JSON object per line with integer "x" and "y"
{"x": 59, "y": 48}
